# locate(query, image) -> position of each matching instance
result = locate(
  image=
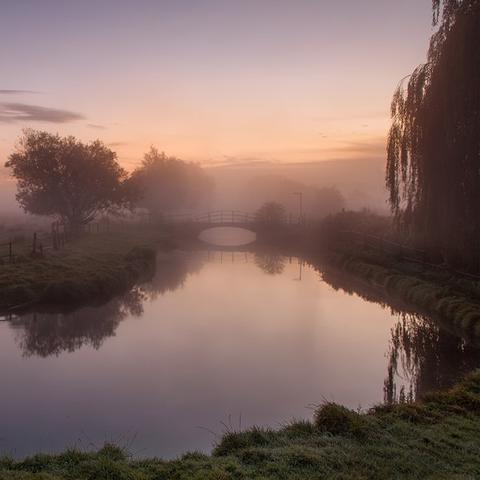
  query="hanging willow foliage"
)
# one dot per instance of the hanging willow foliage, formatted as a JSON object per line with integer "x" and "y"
{"x": 433, "y": 159}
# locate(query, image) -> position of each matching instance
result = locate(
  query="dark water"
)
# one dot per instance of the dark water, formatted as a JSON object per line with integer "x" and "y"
{"x": 215, "y": 337}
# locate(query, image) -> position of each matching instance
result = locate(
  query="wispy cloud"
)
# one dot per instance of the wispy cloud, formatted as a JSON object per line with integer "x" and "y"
{"x": 15, "y": 92}
{"x": 96, "y": 126}
{"x": 22, "y": 112}
{"x": 117, "y": 144}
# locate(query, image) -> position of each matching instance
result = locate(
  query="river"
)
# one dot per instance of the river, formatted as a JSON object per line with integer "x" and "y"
{"x": 216, "y": 340}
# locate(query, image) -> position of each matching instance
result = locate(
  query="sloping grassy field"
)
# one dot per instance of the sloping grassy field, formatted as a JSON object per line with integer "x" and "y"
{"x": 436, "y": 439}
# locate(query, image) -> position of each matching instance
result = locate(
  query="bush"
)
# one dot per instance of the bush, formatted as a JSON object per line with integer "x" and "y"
{"x": 338, "y": 420}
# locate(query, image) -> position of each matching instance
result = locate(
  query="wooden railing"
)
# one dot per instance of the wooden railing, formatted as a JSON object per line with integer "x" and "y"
{"x": 213, "y": 217}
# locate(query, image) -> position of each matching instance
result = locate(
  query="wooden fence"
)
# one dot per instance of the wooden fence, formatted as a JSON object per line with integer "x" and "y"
{"x": 7, "y": 253}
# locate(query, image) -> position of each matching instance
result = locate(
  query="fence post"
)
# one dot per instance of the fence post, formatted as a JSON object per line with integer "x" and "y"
{"x": 54, "y": 236}
{"x": 10, "y": 251}
{"x": 34, "y": 246}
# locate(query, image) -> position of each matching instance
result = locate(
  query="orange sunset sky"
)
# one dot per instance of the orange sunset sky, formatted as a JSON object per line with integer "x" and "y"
{"x": 208, "y": 80}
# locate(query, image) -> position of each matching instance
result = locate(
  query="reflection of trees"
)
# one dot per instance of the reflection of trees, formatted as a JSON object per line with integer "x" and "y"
{"x": 46, "y": 334}
{"x": 427, "y": 357}
{"x": 171, "y": 272}
{"x": 423, "y": 356}
{"x": 270, "y": 263}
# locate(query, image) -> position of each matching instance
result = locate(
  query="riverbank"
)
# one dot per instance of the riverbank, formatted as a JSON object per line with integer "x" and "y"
{"x": 92, "y": 268}
{"x": 437, "y": 438}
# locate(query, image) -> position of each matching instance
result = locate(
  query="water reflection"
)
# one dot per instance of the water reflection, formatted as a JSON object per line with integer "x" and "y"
{"x": 172, "y": 271}
{"x": 46, "y": 334}
{"x": 424, "y": 358}
{"x": 270, "y": 262}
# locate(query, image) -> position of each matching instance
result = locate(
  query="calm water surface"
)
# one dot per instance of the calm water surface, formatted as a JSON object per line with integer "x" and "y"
{"x": 215, "y": 337}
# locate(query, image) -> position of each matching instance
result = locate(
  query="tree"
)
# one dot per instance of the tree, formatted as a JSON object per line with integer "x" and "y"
{"x": 433, "y": 164}
{"x": 63, "y": 177}
{"x": 166, "y": 184}
{"x": 271, "y": 214}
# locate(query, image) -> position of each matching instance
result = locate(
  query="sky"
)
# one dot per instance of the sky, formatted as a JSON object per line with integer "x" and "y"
{"x": 211, "y": 81}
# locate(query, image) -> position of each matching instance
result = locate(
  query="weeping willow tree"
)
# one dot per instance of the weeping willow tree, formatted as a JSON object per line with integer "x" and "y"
{"x": 433, "y": 166}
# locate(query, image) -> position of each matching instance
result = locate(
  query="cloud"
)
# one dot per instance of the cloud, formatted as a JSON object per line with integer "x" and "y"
{"x": 16, "y": 92}
{"x": 96, "y": 126}
{"x": 117, "y": 144}
{"x": 22, "y": 112}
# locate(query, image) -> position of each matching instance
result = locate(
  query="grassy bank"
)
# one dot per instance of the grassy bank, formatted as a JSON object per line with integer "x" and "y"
{"x": 93, "y": 267}
{"x": 435, "y": 439}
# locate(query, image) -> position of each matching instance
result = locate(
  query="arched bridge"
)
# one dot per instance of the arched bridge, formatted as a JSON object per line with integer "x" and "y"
{"x": 217, "y": 218}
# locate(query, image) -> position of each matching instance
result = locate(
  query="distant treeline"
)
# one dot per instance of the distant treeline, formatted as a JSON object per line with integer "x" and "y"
{"x": 75, "y": 182}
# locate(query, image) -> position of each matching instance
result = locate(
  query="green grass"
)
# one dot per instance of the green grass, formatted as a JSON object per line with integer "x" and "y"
{"x": 92, "y": 267}
{"x": 436, "y": 439}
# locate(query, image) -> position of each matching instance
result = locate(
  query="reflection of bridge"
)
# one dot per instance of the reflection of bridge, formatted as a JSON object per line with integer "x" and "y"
{"x": 217, "y": 218}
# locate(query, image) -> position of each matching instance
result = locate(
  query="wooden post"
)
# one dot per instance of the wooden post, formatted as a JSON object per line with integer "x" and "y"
{"x": 233, "y": 216}
{"x": 34, "y": 246}
{"x": 10, "y": 250}
{"x": 55, "y": 236}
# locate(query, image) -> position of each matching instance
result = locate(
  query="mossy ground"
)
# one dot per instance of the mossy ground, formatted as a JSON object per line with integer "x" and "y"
{"x": 94, "y": 266}
{"x": 436, "y": 439}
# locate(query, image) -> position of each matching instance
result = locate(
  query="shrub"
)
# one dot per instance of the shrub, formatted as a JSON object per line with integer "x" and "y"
{"x": 337, "y": 420}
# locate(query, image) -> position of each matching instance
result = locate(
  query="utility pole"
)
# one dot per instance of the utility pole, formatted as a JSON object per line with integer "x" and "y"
{"x": 300, "y": 198}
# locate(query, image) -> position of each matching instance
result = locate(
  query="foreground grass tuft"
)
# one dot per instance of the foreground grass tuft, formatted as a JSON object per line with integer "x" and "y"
{"x": 436, "y": 439}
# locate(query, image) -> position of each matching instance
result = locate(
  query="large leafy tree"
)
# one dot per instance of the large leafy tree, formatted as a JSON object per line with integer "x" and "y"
{"x": 168, "y": 184}
{"x": 65, "y": 178}
{"x": 433, "y": 168}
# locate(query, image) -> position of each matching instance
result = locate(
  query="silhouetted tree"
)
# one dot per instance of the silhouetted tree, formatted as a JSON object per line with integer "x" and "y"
{"x": 63, "y": 177}
{"x": 433, "y": 168}
{"x": 271, "y": 214}
{"x": 166, "y": 184}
